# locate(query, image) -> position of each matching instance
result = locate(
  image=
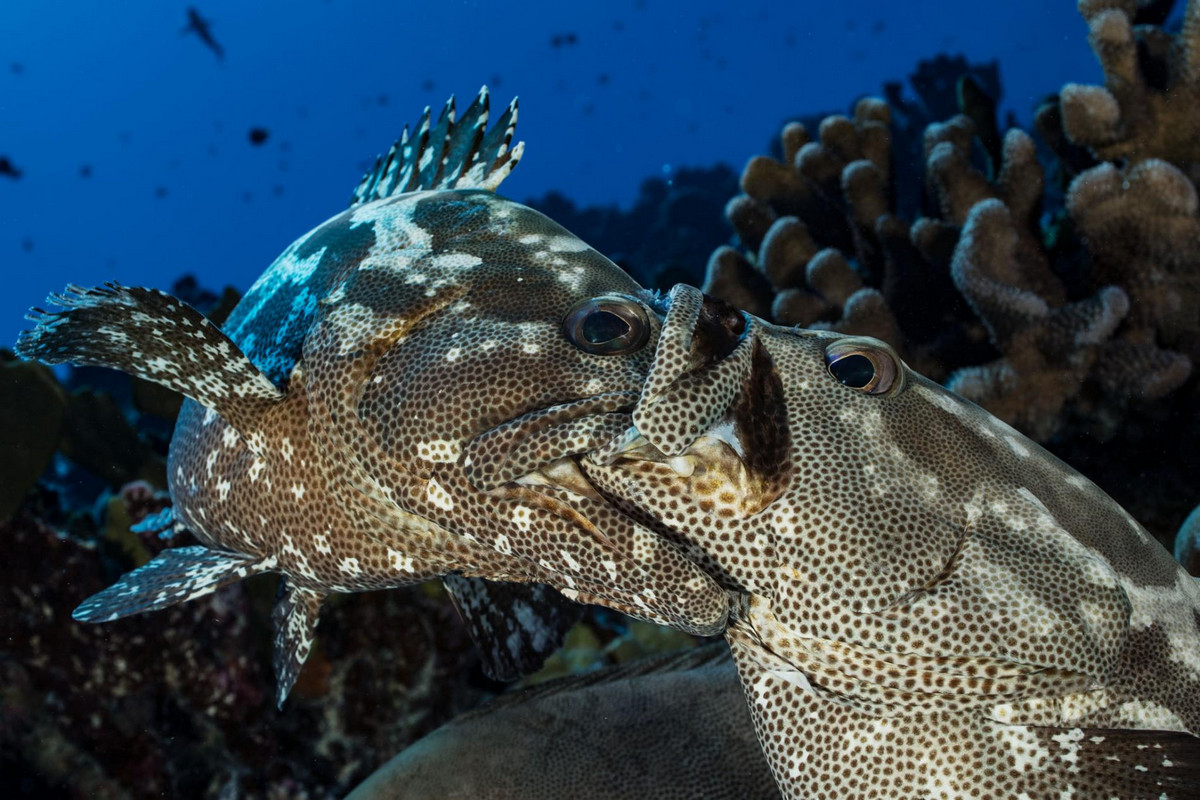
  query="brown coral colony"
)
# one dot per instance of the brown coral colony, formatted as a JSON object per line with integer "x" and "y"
{"x": 1047, "y": 324}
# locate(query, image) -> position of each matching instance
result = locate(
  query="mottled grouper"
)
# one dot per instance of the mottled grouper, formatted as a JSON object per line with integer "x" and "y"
{"x": 337, "y": 428}
{"x": 920, "y": 601}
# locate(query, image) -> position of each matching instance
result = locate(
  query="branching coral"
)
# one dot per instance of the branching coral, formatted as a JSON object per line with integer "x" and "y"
{"x": 1149, "y": 106}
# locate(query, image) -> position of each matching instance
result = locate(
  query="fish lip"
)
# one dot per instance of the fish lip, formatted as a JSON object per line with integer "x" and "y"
{"x": 509, "y": 451}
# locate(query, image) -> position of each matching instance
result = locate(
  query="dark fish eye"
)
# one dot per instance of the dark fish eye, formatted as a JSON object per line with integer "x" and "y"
{"x": 866, "y": 364}
{"x": 607, "y": 325}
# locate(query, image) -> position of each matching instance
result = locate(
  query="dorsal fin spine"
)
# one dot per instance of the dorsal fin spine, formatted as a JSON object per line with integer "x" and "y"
{"x": 451, "y": 153}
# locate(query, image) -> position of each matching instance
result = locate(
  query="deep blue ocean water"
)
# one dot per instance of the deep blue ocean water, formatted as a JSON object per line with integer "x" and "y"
{"x": 133, "y": 139}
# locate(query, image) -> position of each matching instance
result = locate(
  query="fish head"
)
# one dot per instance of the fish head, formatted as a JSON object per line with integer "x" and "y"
{"x": 468, "y": 312}
{"x": 461, "y": 367}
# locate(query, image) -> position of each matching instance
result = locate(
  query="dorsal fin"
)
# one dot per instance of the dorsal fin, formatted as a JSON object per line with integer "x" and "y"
{"x": 447, "y": 154}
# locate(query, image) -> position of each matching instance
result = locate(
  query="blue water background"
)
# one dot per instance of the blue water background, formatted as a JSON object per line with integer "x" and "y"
{"x": 646, "y": 86}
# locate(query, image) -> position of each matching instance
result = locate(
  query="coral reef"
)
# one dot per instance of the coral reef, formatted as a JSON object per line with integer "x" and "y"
{"x": 1069, "y": 316}
{"x": 826, "y": 248}
{"x": 179, "y": 704}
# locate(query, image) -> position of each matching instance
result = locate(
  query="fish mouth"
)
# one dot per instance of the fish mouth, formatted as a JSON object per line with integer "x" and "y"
{"x": 541, "y": 448}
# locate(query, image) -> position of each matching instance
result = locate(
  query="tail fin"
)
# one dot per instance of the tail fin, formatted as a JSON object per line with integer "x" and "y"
{"x": 173, "y": 576}
{"x": 447, "y": 155}
{"x": 155, "y": 336}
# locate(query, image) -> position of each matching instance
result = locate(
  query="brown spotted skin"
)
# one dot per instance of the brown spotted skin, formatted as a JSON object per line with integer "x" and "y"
{"x": 933, "y": 606}
{"x": 441, "y": 325}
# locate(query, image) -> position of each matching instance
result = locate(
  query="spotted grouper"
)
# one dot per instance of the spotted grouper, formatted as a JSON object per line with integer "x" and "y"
{"x": 393, "y": 401}
{"x": 929, "y": 605}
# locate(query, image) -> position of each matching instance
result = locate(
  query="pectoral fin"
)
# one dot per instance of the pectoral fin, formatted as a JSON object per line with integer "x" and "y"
{"x": 515, "y": 626}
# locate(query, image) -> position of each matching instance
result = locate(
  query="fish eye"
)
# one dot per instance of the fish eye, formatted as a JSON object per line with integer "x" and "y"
{"x": 866, "y": 364}
{"x": 608, "y": 325}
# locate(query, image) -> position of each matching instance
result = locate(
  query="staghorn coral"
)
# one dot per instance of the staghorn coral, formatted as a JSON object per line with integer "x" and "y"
{"x": 1149, "y": 106}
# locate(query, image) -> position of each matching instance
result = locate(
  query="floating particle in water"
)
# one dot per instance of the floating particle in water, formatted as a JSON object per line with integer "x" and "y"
{"x": 381, "y": 100}
{"x": 85, "y": 171}
{"x": 879, "y": 26}
{"x": 603, "y": 79}
{"x": 494, "y": 82}
{"x": 277, "y": 190}
{"x": 27, "y": 244}
{"x": 427, "y": 85}
{"x": 16, "y": 68}
{"x": 258, "y": 135}
{"x": 247, "y": 196}
{"x": 160, "y": 192}
{"x": 564, "y": 39}
{"x": 8, "y": 169}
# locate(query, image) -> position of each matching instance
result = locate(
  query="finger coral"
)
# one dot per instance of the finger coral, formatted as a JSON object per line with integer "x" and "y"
{"x": 1149, "y": 106}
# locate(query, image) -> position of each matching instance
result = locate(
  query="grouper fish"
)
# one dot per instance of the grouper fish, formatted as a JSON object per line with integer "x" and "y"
{"x": 920, "y": 601}
{"x": 928, "y": 604}
{"x": 671, "y": 727}
{"x": 394, "y": 400}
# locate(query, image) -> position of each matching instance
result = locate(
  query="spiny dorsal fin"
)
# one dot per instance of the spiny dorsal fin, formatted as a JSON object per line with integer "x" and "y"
{"x": 446, "y": 155}
{"x": 173, "y": 576}
{"x": 295, "y": 617}
{"x": 150, "y": 334}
